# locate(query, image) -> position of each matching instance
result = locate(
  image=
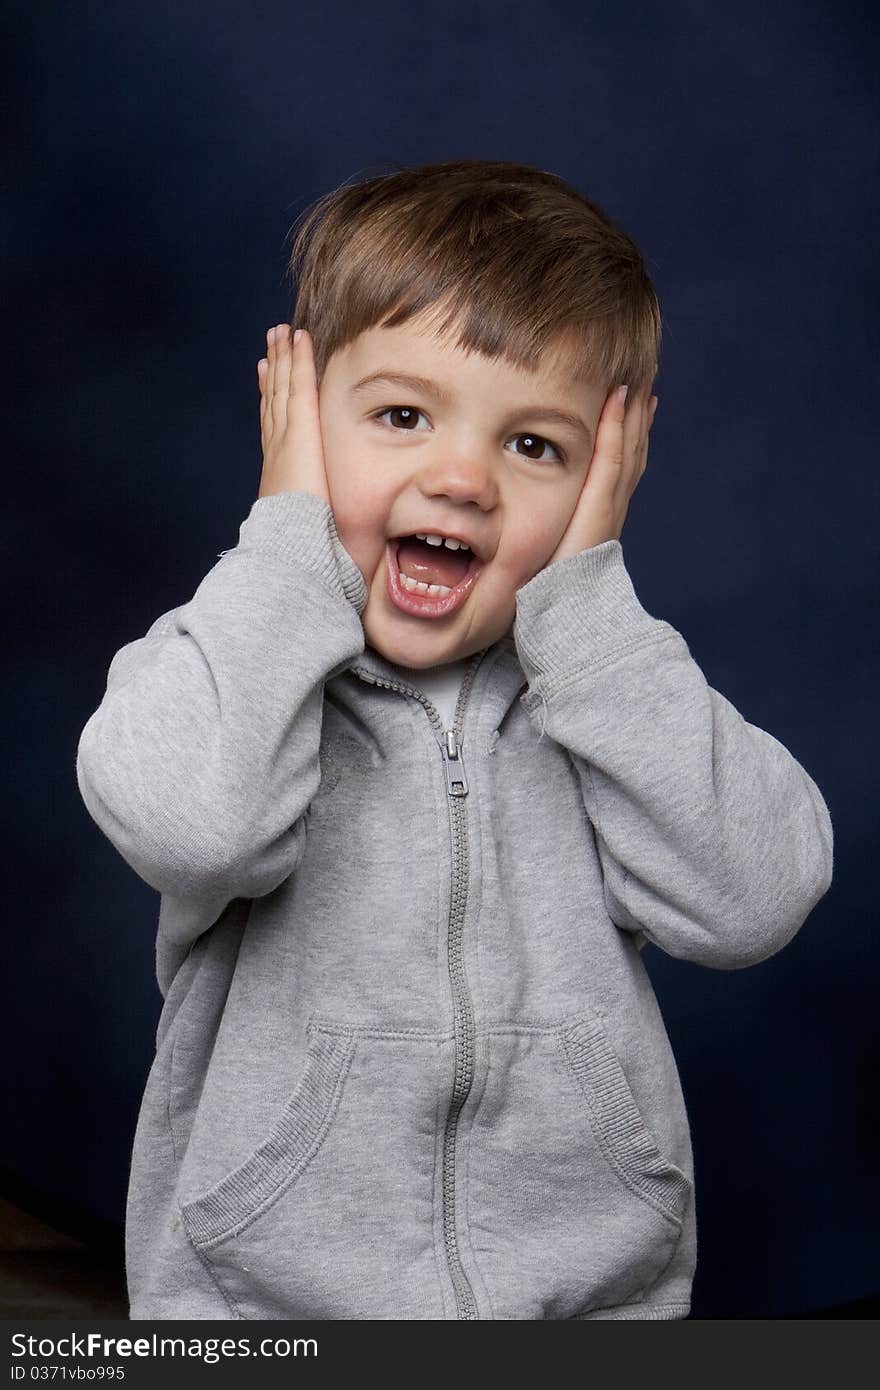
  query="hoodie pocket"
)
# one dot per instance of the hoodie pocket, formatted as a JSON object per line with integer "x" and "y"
{"x": 331, "y": 1215}
{"x": 571, "y": 1203}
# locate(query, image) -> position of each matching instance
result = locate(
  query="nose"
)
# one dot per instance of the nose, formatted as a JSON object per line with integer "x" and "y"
{"x": 462, "y": 477}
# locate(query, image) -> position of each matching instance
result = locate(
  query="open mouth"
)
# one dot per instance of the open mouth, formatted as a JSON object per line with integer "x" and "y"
{"x": 416, "y": 573}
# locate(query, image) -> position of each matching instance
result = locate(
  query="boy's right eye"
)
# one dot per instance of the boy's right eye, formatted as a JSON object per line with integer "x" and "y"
{"x": 407, "y": 412}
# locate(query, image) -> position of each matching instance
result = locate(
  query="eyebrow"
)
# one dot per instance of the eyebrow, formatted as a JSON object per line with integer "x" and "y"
{"x": 427, "y": 387}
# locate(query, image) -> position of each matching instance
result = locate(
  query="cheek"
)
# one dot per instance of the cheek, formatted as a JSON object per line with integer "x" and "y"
{"x": 530, "y": 548}
{"x": 361, "y": 533}
{"x": 361, "y": 516}
{"x": 359, "y": 505}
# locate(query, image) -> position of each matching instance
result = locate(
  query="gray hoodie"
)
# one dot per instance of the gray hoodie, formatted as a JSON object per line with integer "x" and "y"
{"x": 410, "y": 1063}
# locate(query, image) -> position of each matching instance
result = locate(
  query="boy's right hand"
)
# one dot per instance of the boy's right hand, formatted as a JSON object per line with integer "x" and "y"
{"x": 290, "y": 421}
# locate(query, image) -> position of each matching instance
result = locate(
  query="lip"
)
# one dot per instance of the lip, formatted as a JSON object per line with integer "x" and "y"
{"x": 426, "y": 605}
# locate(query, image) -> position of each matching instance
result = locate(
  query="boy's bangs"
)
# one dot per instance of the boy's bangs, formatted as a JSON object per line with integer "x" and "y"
{"x": 509, "y": 261}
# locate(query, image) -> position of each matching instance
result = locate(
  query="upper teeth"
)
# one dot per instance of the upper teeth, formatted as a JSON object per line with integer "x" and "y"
{"x": 442, "y": 540}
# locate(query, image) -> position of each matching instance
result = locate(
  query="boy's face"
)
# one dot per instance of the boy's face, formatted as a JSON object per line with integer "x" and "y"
{"x": 482, "y": 465}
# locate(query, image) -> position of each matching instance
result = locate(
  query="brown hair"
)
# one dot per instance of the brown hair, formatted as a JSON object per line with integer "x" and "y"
{"x": 515, "y": 255}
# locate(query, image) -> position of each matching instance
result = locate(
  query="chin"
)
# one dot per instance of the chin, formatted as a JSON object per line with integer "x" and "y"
{"x": 416, "y": 660}
{"x": 418, "y": 651}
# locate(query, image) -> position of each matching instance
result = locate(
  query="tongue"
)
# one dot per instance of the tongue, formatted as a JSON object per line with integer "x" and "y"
{"x": 432, "y": 564}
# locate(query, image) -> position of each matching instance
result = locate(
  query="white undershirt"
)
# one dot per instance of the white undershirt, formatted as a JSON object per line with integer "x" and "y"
{"x": 441, "y": 684}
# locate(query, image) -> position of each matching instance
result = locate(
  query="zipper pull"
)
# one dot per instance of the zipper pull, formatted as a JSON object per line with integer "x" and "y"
{"x": 456, "y": 781}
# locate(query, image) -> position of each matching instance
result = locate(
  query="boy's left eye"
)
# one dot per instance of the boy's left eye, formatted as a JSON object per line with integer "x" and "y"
{"x": 411, "y": 412}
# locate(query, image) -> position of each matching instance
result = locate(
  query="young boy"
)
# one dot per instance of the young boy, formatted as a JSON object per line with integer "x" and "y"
{"x": 417, "y": 776}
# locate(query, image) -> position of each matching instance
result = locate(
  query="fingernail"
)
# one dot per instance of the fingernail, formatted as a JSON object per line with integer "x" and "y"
{"x": 297, "y": 335}
{"x": 270, "y": 336}
{"x": 621, "y": 393}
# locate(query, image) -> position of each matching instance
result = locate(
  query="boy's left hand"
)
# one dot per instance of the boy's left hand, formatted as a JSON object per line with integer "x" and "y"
{"x": 618, "y": 462}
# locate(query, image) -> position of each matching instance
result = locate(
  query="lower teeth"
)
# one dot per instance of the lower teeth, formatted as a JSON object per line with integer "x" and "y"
{"x": 416, "y": 587}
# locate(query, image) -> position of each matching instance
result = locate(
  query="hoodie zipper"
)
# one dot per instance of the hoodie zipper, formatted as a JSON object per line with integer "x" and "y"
{"x": 450, "y": 742}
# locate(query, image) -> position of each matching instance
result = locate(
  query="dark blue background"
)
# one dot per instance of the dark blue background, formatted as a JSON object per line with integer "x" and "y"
{"x": 159, "y": 156}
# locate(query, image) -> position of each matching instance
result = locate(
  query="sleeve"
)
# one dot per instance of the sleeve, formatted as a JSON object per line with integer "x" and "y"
{"x": 202, "y": 758}
{"x": 714, "y": 842}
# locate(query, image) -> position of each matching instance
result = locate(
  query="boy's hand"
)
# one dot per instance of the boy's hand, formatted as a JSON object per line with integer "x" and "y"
{"x": 290, "y": 421}
{"x": 618, "y": 462}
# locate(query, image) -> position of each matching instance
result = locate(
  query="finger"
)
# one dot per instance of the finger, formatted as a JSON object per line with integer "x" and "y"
{"x": 614, "y": 428}
{"x": 281, "y": 384}
{"x": 261, "y": 377}
{"x": 306, "y": 440}
{"x": 650, "y": 410}
{"x": 618, "y": 410}
{"x": 606, "y": 465}
{"x": 636, "y": 444}
{"x": 635, "y": 421}
{"x": 633, "y": 429}
{"x": 269, "y": 385}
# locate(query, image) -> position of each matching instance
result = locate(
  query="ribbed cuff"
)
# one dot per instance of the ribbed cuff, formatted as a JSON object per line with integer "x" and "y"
{"x": 300, "y": 527}
{"x": 580, "y": 612}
